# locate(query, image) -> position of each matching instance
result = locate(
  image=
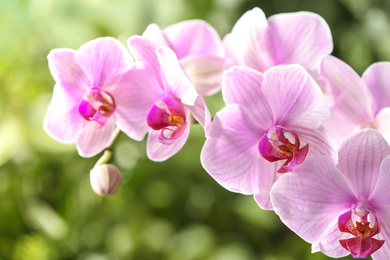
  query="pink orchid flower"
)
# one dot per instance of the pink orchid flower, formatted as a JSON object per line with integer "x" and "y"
{"x": 302, "y": 37}
{"x": 357, "y": 102}
{"x": 162, "y": 99}
{"x": 89, "y": 94}
{"x": 270, "y": 124}
{"x": 199, "y": 49}
{"x": 345, "y": 208}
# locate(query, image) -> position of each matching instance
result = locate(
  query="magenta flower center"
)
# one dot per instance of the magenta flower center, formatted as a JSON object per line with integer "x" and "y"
{"x": 280, "y": 143}
{"x": 365, "y": 227}
{"x": 97, "y": 105}
{"x": 168, "y": 115}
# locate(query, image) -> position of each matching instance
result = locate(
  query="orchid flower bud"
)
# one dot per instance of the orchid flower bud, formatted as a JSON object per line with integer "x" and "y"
{"x": 105, "y": 179}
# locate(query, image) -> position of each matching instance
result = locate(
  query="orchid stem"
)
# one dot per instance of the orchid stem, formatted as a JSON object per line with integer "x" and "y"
{"x": 108, "y": 150}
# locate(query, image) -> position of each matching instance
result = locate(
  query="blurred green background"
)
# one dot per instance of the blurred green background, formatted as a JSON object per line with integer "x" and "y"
{"x": 172, "y": 210}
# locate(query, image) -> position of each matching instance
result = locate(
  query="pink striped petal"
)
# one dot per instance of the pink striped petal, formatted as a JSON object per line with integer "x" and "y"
{"x": 193, "y": 37}
{"x": 102, "y": 60}
{"x": 354, "y": 101}
{"x": 66, "y": 71}
{"x": 243, "y": 86}
{"x": 178, "y": 82}
{"x": 319, "y": 140}
{"x": 360, "y": 158}
{"x": 230, "y": 153}
{"x": 300, "y": 37}
{"x": 205, "y": 72}
{"x": 62, "y": 120}
{"x": 382, "y": 120}
{"x": 250, "y": 43}
{"x": 310, "y": 199}
{"x": 94, "y": 137}
{"x": 201, "y": 113}
{"x": 377, "y": 79}
{"x": 330, "y": 243}
{"x": 384, "y": 216}
{"x": 295, "y": 98}
{"x": 154, "y": 33}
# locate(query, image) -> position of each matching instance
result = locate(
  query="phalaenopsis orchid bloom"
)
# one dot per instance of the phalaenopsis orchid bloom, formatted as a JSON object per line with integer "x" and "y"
{"x": 162, "y": 99}
{"x": 345, "y": 208}
{"x": 270, "y": 124}
{"x": 89, "y": 95}
{"x": 199, "y": 49}
{"x": 357, "y": 102}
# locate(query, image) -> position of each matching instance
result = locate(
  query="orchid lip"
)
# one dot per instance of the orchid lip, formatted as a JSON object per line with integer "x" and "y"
{"x": 169, "y": 116}
{"x": 363, "y": 224}
{"x": 97, "y": 105}
{"x": 280, "y": 143}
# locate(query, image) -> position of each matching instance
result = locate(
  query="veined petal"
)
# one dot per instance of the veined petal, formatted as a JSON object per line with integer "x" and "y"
{"x": 94, "y": 137}
{"x": 319, "y": 140}
{"x": 135, "y": 94}
{"x": 144, "y": 50}
{"x": 154, "y": 33}
{"x": 301, "y": 37}
{"x": 380, "y": 196}
{"x": 205, "y": 72}
{"x": 178, "y": 82}
{"x": 158, "y": 151}
{"x": 376, "y": 77}
{"x": 230, "y": 153}
{"x": 102, "y": 60}
{"x": 66, "y": 71}
{"x": 243, "y": 86}
{"x": 329, "y": 244}
{"x": 201, "y": 113}
{"x": 250, "y": 42}
{"x": 62, "y": 120}
{"x": 360, "y": 157}
{"x": 340, "y": 132}
{"x": 354, "y": 100}
{"x": 318, "y": 192}
{"x": 294, "y": 97}
{"x": 384, "y": 216}
{"x": 193, "y": 37}
{"x": 267, "y": 177}
{"x": 382, "y": 120}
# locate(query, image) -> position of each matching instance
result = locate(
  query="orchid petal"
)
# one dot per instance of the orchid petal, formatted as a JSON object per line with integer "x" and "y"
{"x": 300, "y": 37}
{"x": 377, "y": 79}
{"x": 230, "y": 153}
{"x": 201, "y": 113}
{"x": 250, "y": 42}
{"x": 66, "y": 71}
{"x": 318, "y": 192}
{"x": 154, "y": 33}
{"x": 340, "y": 132}
{"x": 295, "y": 98}
{"x": 329, "y": 244}
{"x": 178, "y": 82}
{"x": 205, "y": 72}
{"x": 267, "y": 177}
{"x": 243, "y": 86}
{"x": 158, "y": 151}
{"x": 193, "y": 37}
{"x": 102, "y": 60}
{"x": 354, "y": 100}
{"x": 136, "y": 93}
{"x": 62, "y": 120}
{"x": 94, "y": 137}
{"x": 144, "y": 50}
{"x": 319, "y": 140}
{"x": 382, "y": 120}
{"x": 360, "y": 157}
{"x": 384, "y": 216}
